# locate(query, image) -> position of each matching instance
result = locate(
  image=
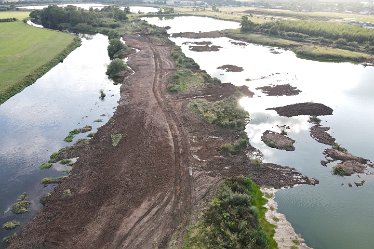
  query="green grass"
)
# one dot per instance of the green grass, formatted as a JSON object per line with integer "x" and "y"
{"x": 45, "y": 165}
{"x": 235, "y": 218}
{"x": 69, "y": 138}
{"x": 26, "y": 53}
{"x": 116, "y": 138}
{"x": 235, "y": 147}
{"x": 185, "y": 80}
{"x": 261, "y": 39}
{"x": 20, "y": 207}
{"x": 8, "y": 238}
{"x": 20, "y": 15}
{"x": 330, "y": 54}
{"x": 11, "y": 224}
{"x": 225, "y": 113}
{"x": 65, "y": 161}
{"x": 50, "y": 180}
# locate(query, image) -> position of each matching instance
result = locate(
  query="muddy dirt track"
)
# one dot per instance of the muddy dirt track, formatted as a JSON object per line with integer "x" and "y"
{"x": 144, "y": 192}
{"x": 134, "y": 195}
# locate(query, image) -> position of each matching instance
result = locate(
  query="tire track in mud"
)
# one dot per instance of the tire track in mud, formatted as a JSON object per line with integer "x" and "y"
{"x": 176, "y": 203}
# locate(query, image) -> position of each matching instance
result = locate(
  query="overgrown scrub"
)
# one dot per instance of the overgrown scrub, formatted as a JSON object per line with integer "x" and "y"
{"x": 235, "y": 219}
{"x": 225, "y": 113}
{"x": 182, "y": 61}
{"x": 236, "y": 146}
{"x": 115, "y": 67}
{"x": 116, "y": 48}
{"x": 11, "y": 224}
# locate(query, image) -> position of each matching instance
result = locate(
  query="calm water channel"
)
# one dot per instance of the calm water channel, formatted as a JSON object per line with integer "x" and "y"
{"x": 33, "y": 123}
{"x": 329, "y": 215}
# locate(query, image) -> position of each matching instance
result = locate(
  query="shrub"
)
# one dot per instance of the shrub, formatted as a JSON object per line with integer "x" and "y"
{"x": 235, "y": 147}
{"x": 116, "y": 48}
{"x": 115, "y": 67}
{"x": 11, "y": 224}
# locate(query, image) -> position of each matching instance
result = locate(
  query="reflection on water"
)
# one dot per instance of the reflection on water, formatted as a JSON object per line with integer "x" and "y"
{"x": 34, "y": 122}
{"x": 191, "y": 24}
{"x": 331, "y": 214}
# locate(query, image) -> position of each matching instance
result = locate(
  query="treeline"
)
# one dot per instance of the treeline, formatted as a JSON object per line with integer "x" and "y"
{"x": 76, "y": 19}
{"x": 330, "y": 34}
{"x": 326, "y": 30}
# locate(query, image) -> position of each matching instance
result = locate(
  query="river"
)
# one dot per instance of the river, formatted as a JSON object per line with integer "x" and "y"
{"x": 330, "y": 215}
{"x": 34, "y": 123}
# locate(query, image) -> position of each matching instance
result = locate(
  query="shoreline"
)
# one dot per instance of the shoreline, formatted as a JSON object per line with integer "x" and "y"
{"x": 285, "y": 235}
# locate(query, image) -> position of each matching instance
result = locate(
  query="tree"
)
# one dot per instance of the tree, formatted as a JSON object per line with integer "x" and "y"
{"x": 115, "y": 67}
{"x": 116, "y": 48}
{"x": 246, "y": 25}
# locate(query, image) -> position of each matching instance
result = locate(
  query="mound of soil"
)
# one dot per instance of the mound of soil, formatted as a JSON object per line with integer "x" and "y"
{"x": 343, "y": 156}
{"x": 350, "y": 167}
{"x": 279, "y": 90}
{"x": 278, "y": 141}
{"x": 319, "y": 133}
{"x": 278, "y": 176}
{"x": 230, "y": 68}
{"x": 238, "y": 43}
{"x": 312, "y": 109}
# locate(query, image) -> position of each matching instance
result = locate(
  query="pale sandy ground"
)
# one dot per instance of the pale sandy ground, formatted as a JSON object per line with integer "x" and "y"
{"x": 285, "y": 235}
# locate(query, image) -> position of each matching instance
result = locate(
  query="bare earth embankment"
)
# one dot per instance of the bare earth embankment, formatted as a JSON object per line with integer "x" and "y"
{"x": 144, "y": 192}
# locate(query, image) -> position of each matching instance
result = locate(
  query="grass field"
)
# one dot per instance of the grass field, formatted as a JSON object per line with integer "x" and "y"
{"x": 26, "y": 53}
{"x": 20, "y": 15}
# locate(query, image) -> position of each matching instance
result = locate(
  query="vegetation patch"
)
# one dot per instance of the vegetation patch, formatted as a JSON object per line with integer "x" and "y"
{"x": 235, "y": 147}
{"x": 27, "y": 53}
{"x": 8, "y": 238}
{"x": 20, "y": 207}
{"x": 115, "y": 67}
{"x": 185, "y": 79}
{"x": 116, "y": 138}
{"x": 234, "y": 219}
{"x": 45, "y": 165}
{"x": 330, "y": 54}
{"x": 225, "y": 113}
{"x": 51, "y": 180}
{"x": 66, "y": 161}
{"x": 11, "y": 224}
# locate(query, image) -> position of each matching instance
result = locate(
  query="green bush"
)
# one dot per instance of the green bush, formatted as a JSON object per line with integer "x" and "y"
{"x": 235, "y": 219}
{"x": 115, "y": 67}
{"x": 235, "y": 147}
{"x": 225, "y": 113}
{"x": 116, "y": 48}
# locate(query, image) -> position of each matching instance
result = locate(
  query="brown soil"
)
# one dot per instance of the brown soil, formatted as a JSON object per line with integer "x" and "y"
{"x": 145, "y": 191}
{"x": 205, "y": 48}
{"x": 343, "y": 156}
{"x": 278, "y": 141}
{"x": 312, "y": 109}
{"x": 238, "y": 43}
{"x": 319, "y": 133}
{"x": 231, "y": 68}
{"x": 279, "y": 90}
{"x": 351, "y": 167}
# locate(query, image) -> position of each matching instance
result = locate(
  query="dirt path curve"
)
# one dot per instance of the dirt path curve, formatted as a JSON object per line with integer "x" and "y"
{"x": 135, "y": 195}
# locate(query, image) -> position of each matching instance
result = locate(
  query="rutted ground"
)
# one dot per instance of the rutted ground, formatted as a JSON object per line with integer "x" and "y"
{"x": 143, "y": 192}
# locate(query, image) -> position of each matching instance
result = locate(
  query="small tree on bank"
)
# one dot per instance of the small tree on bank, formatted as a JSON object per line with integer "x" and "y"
{"x": 115, "y": 67}
{"x": 116, "y": 48}
{"x": 246, "y": 25}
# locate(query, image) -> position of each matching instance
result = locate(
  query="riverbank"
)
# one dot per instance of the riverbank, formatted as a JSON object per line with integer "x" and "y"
{"x": 27, "y": 53}
{"x": 335, "y": 43}
{"x": 145, "y": 190}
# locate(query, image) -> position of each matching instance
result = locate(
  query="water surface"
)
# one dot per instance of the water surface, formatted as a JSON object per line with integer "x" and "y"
{"x": 34, "y": 122}
{"x": 329, "y": 215}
